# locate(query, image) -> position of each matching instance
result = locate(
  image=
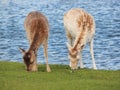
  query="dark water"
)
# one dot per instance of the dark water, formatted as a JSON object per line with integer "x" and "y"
{"x": 107, "y": 38}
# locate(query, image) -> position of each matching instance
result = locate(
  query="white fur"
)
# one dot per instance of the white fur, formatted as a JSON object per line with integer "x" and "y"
{"x": 74, "y": 21}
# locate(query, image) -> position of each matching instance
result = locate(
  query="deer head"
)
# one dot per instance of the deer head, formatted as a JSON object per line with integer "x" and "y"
{"x": 29, "y": 58}
{"x": 73, "y": 56}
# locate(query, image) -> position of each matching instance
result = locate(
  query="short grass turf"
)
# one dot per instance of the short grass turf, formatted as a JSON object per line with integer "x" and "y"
{"x": 14, "y": 77}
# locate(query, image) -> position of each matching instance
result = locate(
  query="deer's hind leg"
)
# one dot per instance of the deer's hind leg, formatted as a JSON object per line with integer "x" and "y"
{"x": 81, "y": 62}
{"x": 92, "y": 54}
{"x": 45, "y": 45}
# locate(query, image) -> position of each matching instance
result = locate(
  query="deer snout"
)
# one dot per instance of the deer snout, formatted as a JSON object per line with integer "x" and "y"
{"x": 73, "y": 66}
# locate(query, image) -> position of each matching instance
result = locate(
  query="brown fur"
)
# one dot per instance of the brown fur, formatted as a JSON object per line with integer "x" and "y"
{"x": 37, "y": 29}
{"x": 85, "y": 23}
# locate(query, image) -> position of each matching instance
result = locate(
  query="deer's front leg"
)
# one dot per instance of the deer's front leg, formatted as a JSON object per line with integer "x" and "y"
{"x": 46, "y": 57}
{"x": 70, "y": 38}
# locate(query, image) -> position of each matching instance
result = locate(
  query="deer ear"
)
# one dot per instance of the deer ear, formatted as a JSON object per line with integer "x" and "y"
{"x": 71, "y": 50}
{"x": 80, "y": 47}
{"x": 22, "y": 51}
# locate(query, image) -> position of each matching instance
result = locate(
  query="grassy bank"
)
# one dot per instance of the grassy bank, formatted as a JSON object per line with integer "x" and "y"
{"x": 14, "y": 77}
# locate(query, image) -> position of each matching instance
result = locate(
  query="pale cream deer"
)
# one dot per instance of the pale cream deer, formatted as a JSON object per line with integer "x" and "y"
{"x": 37, "y": 30}
{"x": 80, "y": 30}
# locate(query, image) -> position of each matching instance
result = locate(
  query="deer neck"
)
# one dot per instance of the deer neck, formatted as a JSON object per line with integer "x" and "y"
{"x": 32, "y": 50}
{"x": 80, "y": 40}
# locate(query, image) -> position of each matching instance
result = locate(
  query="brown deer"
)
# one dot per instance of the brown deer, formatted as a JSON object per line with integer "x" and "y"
{"x": 80, "y": 30}
{"x": 37, "y": 30}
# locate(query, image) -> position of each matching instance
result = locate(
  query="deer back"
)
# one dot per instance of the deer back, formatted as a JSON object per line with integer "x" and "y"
{"x": 37, "y": 29}
{"x": 80, "y": 26}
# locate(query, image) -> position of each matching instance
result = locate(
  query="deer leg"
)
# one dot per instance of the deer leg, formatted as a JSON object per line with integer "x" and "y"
{"x": 46, "y": 56}
{"x": 81, "y": 62}
{"x": 70, "y": 39}
{"x": 92, "y": 54}
{"x": 35, "y": 68}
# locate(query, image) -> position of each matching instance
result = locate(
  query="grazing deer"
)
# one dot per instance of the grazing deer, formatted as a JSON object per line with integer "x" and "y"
{"x": 37, "y": 29}
{"x": 80, "y": 30}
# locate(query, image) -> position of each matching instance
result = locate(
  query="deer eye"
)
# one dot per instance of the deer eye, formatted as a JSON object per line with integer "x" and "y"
{"x": 28, "y": 56}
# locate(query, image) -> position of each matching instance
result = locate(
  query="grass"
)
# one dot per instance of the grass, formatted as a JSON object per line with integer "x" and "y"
{"x": 14, "y": 77}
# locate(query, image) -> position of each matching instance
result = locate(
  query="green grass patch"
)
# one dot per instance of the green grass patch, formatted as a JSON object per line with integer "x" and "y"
{"x": 14, "y": 77}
